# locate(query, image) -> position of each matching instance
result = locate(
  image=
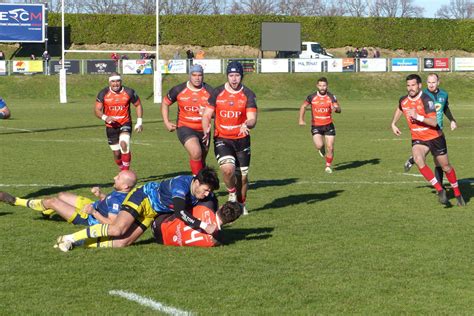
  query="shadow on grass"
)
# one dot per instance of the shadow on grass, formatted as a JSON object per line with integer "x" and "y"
{"x": 231, "y": 236}
{"x": 272, "y": 183}
{"x": 5, "y": 213}
{"x": 356, "y": 164}
{"x": 295, "y": 109}
{"x": 298, "y": 199}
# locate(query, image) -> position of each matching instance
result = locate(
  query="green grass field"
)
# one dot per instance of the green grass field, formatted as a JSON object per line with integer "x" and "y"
{"x": 367, "y": 239}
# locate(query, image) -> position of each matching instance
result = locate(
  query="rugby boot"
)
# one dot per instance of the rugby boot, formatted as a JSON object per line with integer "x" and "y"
{"x": 7, "y": 198}
{"x": 442, "y": 198}
{"x": 460, "y": 201}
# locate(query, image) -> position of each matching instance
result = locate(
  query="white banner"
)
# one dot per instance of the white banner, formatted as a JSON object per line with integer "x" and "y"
{"x": 334, "y": 65}
{"x": 3, "y": 67}
{"x": 177, "y": 66}
{"x": 274, "y": 65}
{"x": 211, "y": 66}
{"x": 27, "y": 66}
{"x": 308, "y": 65}
{"x": 373, "y": 65}
{"x": 137, "y": 67}
{"x": 464, "y": 64}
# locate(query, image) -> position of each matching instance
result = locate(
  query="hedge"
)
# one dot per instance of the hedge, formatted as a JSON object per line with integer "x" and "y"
{"x": 215, "y": 30}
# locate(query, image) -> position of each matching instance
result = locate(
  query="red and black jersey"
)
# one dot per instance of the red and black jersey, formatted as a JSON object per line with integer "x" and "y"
{"x": 231, "y": 108}
{"x": 424, "y": 106}
{"x": 117, "y": 104}
{"x": 172, "y": 231}
{"x": 191, "y": 103}
{"x": 321, "y": 108}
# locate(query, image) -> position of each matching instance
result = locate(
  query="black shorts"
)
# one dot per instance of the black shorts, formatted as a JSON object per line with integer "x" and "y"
{"x": 239, "y": 149}
{"x": 329, "y": 130}
{"x": 113, "y": 133}
{"x": 184, "y": 133}
{"x": 437, "y": 146}
{"x": 156, "y": 226}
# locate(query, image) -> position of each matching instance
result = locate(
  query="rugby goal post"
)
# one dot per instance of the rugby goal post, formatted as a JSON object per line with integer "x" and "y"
{"x": 157, "y": 79}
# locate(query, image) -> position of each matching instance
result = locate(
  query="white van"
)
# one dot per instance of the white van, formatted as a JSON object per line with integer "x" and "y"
{"x": 308, "y": 50}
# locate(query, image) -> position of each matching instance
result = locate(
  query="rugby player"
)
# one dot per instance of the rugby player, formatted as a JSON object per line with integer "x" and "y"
{"x": 234, "y": 108}
{"x": 80, "y": 210}
{"x": 420, "y": 112}
{"x": 322, "y": 104}
{"x": 440, "y": 98}
{"x": 171, "y": 231}
{"x": 113, "y": 107}
{"x": 4, "y": 110}
{"x": 177, "y": 195}
{"x": 192, "y": 97}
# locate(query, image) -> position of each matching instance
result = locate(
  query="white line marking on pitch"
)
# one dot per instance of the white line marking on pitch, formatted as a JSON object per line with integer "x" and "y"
{"x": 17, "y": 129}
{"x": 31, "y": 185}
{"x": 412, "y": 174}
{"x": 150, "y": 303}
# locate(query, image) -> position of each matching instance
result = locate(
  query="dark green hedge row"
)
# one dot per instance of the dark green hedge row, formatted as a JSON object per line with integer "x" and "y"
{"x": 204, "y": 30}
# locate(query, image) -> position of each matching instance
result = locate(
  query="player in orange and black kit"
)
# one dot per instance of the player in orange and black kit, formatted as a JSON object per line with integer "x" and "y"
{"x": 113, "y": 107}
{"x": 192, "y": 97}
{"x": 172, "y": 231}
{"x": 235, "y": 109}
{"x": 420, "y": 112}
{"x": 322, "y": 104}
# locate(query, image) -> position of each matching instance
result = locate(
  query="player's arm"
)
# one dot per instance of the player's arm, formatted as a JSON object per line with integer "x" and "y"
{"x": 449, "y": 115}
{"x": 91, "y": 209}
{"x": 396, "y": 117}
{"x": 249, "y": 123}
{"x": 181, "y": 213}
{"x": 139, "y": 109}
{"x": 97, "y": 192}
{"x": 336, "y": 107}
{"x": 206, "y": 122}
{"x": 303, "y": 108}
{"x": 170, "y": 126}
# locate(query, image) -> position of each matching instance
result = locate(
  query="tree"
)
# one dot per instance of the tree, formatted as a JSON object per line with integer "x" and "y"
{"x": 356, "y": 8}
{"x": 457, "y": 9}
{"x": 395, "y": 8}
{"x": 258, "y": 7}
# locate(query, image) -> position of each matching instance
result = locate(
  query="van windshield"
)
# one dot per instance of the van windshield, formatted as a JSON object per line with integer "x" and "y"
{"x": 316, "y": 48}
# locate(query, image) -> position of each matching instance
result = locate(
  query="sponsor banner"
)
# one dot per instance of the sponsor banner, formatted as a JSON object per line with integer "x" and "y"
{"x": 137, "y": 67}
{"x": 436, "y": 64}
{"x": 27, "y": 66}
{"x": 274, "y": 65}
{"x": 3, "y": 68}
{"x": 250, "y": 65}
{"x": 71, "y": 66}
{"x": 101, "y": 67}
{"x": 404, "y": 64}
{"x": 334, "y": 65}
{"x": 348, "y": 65}
{"x": 372, "y": 65}
{"x": 176, "y": 66}
{"x": 211, "y": 66}
{"x": 22, "y": 23}
{"x": 464, "y": 64}
{"x": 308, "y": 65}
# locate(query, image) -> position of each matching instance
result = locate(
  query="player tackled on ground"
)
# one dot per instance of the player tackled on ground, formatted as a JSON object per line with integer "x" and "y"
{"x": 177, "y": 195}
{"x": 192, "y": 97}
{"x": 234, "y": 107}
{"x": 322, "y": 104}
{"x": 420, "y": 113}
{"x": 4, "y": 110}
{"x": 113, "y": 107}
{"x": 440, "y": 98}
{"x": 171, "y": 231}
{"x": 80, "y": 210}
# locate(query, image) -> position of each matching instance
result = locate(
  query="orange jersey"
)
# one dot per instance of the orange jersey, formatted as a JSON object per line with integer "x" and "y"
{"x": 321, "y": 108}
{"x": 231, "y": 110}
{"x": 191, "y": 103}
{"x": 175, "y": 232}
{"x": 424, "y": 106}
{"x": 117, "y": 105}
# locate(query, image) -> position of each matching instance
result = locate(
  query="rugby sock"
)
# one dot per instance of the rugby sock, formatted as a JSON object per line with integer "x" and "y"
{"x": 451, "y": 175}
{"x": 242, "y": 199}
{"x": 21, "y": 202}
{"x": 232, "y": 194}
{"x": 126, "y": 158}
{"x": 429, "y": 176}
{"x": 119, "y": 162}
{"x": 103, "y": 242}
{"x": 196, "y": 166}
{"x": 439, "y": 174}
{"x": 329, "y": 161}
{"x": 94, "y": 231}
{"x": 35, "y": 204}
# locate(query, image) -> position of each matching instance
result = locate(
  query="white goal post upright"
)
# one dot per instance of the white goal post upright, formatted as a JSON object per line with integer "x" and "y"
{"x": 157, "y": 78}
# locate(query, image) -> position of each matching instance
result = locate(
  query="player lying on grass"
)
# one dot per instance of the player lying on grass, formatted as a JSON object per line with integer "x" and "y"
{"x": 169, "y": 230}
{"x": 4, "y": 110}
{"x": 80, "y": 210}
{"x": 177, "y": 195}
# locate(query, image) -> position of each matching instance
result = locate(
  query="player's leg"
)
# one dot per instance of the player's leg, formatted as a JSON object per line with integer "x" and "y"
{"x": 193, "y": 147}
{"x": 443, "y": 161}
{"x": 225, "y": 155}
{"x": 318, "y": 141}
{"x": 113, "y": 140}
{"x": 419, "y": 152}
{"x": 330, "y": 140}
{"x": 243, "y": 156}
{"x": 408, "y": 164}
{"x": 132, "y": 234}
{"x": 69, "y": 206}
{"x": 438, "y": 171}
{"x": 124, "y": 142}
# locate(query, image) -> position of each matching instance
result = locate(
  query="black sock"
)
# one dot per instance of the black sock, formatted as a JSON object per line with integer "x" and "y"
{"x": 439, "y": 175}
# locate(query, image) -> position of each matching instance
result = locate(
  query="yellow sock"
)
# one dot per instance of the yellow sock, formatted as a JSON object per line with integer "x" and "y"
{"x": 21, "y": 202}
{"x": 48, "y": 213}
{"x": 102, "y": 242}
{"x": 35, "y": 204}
{"x": 98, "y": 230}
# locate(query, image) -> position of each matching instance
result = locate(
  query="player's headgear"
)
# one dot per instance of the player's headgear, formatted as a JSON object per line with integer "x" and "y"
{"x": 235, "y": 66}
{"x": 196, "y": 68}
{"x": 114, "y": 76}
